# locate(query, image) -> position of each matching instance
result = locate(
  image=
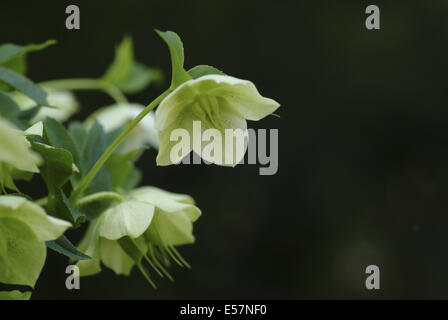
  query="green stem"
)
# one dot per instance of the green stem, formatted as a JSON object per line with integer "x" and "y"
{"x": 84, "y": 183}
{"x": 99, "y": 196}
{"x": 87, "y": 84}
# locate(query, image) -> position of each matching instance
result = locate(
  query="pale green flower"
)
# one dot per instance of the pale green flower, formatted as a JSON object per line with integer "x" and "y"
{"x": 64, "y": 104}
{"x": 15, "y": 154}
{"x": 24, "y": 228}
{"x": 153, "y": 219}
{"x": 116, "y": 116}
{"x": 218, "y": 102}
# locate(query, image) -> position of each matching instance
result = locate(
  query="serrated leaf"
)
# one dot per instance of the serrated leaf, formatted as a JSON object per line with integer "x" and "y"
{"x": 59, "y": 137}
{"x": 127, "y": 74}
{"x": 24, "y": 85}
{"x": 124, "y": 57}
{"x": 203, "y": 70}
{"x": 132, "y": 180}
{"x": 176, "y": 48}
{"x": 96, "y": 142}
{"x": 58, "y": 164}
{"x": 63, "y": 246}
{"x": 78, "y": 134}
{"x": 139, "y": 77}
{"x": 120, "y": 166}
{"x": 60, "y": 206}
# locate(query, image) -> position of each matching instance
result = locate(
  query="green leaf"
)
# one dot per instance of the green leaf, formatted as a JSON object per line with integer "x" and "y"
{"x": 96, "y": 142}
{"x": 179, "y": 75}
{"x": 203, "y": 70}
{"x": 127, "y": 74}
{"x": 58, "y": 165}
{"x": 56, "y": 171}
{"x": 59, "y": 137}
{"x": 63, "y": 246}
{"x": 124, "y": 57}
{"x": 60, "y": 206}
{"x": 24, "y": 85}
{"x": 22, "y": 255}
{"x": 8, "y": 108}
{"x": 120, "y": 166}
{"x": 15, "y": 295}
{"x": 132, "y": 180}
{"x": 65, "y": 209}
{"x": 13, "y": 56}
{"x": 79, "y": 136}
{"x": 139, "y": 77}
{"x": 10, "y": 51}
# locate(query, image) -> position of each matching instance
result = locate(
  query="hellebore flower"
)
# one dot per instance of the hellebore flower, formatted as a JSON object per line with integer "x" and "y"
{"x": 15, "y": 154}
{"x": 116, "y": 116}
{"x": 216, "y": 102}
{"x": 149, "y": 220}
{"x": 24, "y": 228}
{"x": 64, "y": 102}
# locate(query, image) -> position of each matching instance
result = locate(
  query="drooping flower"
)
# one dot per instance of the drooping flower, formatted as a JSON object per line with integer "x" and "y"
{"x": 215, "y": 102}
{"x": 64, "y": 104}
{"x": 147, "y": 224}
{"x": 15, "y": 154}
{"x": 24, "y": 228}
{"x": 116, "y": 116}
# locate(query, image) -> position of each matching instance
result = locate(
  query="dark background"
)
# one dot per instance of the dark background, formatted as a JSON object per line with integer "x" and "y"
{"x": 363, "y": 143}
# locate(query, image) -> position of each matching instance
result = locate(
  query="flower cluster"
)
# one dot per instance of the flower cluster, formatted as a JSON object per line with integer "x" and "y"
{"x": 89, "y": 168}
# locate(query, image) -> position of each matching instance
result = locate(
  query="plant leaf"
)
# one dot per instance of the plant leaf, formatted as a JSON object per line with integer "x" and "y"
{"x": 120, "y": 166}
{"x": 59, "y": 137}
{"x": 63, "y": 246}
{"x": 58, "y": 164}
{"x": 179, "y": 75}
{"x": 10, "y": 51}
{"x": 8, "y": 108}
{"x": 127, "y": 74}
{"x": 203, "y": 70}
{"x": 124, "y": 57}
{"x": 24, "y": 85}
{"x": 139, "y": 77}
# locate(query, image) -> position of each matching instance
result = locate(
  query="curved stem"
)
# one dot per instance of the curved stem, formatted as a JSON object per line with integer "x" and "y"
{"x": 99, "y": 196}
{"x": 87, "y": 84}
{"x": 84, "y": 183}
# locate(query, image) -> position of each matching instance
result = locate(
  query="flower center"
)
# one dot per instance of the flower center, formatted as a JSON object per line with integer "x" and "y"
{"x": 206, "y": 108}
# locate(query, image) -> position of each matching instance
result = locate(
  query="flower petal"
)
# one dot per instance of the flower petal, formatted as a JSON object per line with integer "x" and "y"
{"x": 22, "y": 254}
{"x": 129, "y": 218}
{"x": 90, "y": 245}
{"x": 116, "y": 116}
{"x": 178, "y": 100}
{"x": 170, "y": 229}
{"x": 242, "y": 96}
{"x": 15, "y": 149}
{"x": 183, "y": 121}
{"x": 44, "y": 226}
{"x": 114, "y": 257}
{"x": 167, "y": 201}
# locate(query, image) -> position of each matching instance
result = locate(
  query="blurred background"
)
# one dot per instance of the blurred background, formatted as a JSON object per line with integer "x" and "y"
{"x": 363, "y": 152}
